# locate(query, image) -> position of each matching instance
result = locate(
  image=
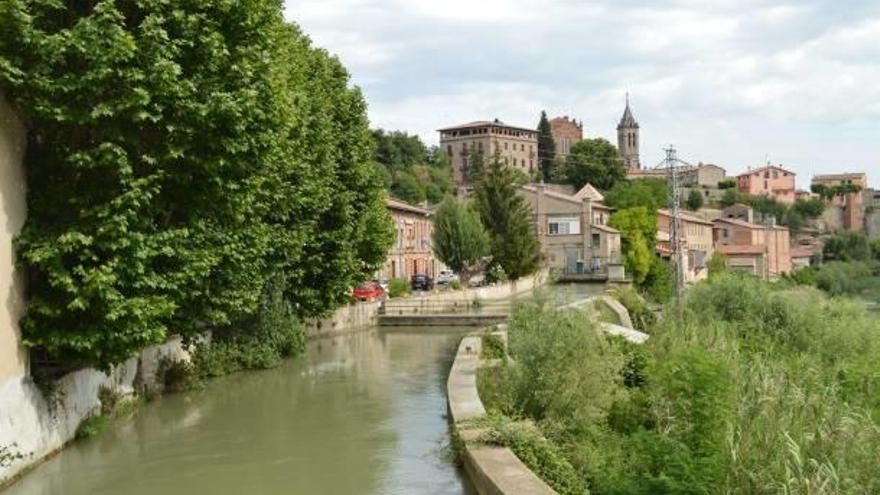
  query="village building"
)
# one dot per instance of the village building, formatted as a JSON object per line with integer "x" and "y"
{"x": 697, "y": 243}
{"x": 565, "y": 132}
{"x": 851, "y": 204}
{"x": 761, "y": 250}
{"x": 771, "y": 180}
{"x": 516, "y": 146}
{"x": 412, "y": 252}
{"x": 801, "y": 257}
{"x": 573, "y": 229}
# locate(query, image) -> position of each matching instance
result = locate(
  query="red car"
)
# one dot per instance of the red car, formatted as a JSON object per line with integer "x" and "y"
{"x": 369, "y": 291}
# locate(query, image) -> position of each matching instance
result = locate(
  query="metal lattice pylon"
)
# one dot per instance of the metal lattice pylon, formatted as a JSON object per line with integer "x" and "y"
{"x": 676, "y": 239}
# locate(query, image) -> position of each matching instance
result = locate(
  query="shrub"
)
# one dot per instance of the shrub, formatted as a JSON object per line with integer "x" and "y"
{"x": 493, "y": 347}
{"x": 399, "y": 287}
{"x": 496, "y": 275}
{"x": 641, "y": 315}
{"x": 540, "y": 455}
{"x": 93, "y": 426}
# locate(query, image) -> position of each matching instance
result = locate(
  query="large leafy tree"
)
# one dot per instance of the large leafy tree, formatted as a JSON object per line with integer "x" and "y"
{"x": 414, "y": 172}
{"x": 653, "y": 194}
{"x": 546, "y": 148}
{"x": 638, "y": 227}
{"x": 182, "y": 156}
{"x": 508, "y": 218}
{"x": 460, "y": 240}
{"x": 595, "y": 161}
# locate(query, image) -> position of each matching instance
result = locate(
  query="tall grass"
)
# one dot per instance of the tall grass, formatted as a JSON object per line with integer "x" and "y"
{"x": 751, "y": 389}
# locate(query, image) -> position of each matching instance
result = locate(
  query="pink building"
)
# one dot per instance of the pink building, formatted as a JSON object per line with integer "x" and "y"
{"x": 762, "y": 250}
{"x": 769, "y": 181}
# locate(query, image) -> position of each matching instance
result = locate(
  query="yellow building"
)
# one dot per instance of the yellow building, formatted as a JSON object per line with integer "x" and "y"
{"x": 697, "y": 243}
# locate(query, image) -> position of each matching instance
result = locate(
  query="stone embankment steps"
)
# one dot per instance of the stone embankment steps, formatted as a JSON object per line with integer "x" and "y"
{"x": 492, "y": 469}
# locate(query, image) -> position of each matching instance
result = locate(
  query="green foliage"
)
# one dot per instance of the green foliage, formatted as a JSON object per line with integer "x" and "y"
{"x": 753, "y": 388}
{"x": 595, "y": 161}
{"x": 546, "y": 148}
{"x": 694, "y": 200}
{"x": 809, "y": 208}
{"x": 93, "y": 426}
{"x": 659, "y": 284}
{"x": 729, "y": 198}
{"x": 399, "y": 287}
{"x": 169, "y": 180}
{"x": 413, "y": 172}
{"x": 638, "y": 227}
{"x": 493, "y": 347}
{"x": 830, "y": 192}
{"x": 717, "y": 264}
{"x": 642, "y": 316}
{"x": 727, "y": 184}
{"x": 459, "y": 239}
{"x": 848, "y": 246}
{"x": 845, "y": 278}
{"x": 496, "y": 274}
{"x": 543, "y": 457}
{"x": 653, "y": 194}
{"x": 508, "y": 219}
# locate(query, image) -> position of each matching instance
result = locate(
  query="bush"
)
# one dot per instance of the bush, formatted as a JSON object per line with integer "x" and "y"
{"x": 399, "y": 287}
{"x": 493, "y": 347}
{"x": 496, "y": 275}
{"x": 642, "y": 316}
{"x": 543, "y": 457}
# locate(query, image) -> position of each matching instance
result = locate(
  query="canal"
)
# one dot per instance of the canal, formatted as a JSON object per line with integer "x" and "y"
{"x": 358, "y": 414}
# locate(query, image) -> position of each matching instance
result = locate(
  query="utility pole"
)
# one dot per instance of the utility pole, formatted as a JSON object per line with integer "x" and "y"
{"x": 675, "y": 229}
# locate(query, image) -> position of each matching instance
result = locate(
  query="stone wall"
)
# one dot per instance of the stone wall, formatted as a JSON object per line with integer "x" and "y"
{"x": 872, "y": 223}
{"x": 13, "y": 364}
{"x": 347, "y": 319}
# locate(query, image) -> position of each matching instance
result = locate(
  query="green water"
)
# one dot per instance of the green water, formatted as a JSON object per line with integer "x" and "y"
{"x": 360, "y": 414}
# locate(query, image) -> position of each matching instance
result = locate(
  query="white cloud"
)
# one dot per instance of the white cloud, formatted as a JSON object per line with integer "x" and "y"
{"x": 729, "y": 81}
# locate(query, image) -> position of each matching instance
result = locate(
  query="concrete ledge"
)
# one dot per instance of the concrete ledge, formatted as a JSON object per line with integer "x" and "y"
{"x": 493, "y": 470}
{"x": 440, "y": 320}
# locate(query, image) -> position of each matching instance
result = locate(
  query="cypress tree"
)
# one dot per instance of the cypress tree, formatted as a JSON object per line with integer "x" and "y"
{"x": 546, "y": 147}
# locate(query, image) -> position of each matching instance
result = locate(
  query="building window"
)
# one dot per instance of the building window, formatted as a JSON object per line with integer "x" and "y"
{"x": 522, "y": 147}
{"x": 564, "y": 226}
{"x": 505, "y": 146}
{"x": 597, "y": 241}
{"x": 449, "y": 150}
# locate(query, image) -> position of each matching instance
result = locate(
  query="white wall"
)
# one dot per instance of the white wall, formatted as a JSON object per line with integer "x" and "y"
{"x": 12, "y": 214}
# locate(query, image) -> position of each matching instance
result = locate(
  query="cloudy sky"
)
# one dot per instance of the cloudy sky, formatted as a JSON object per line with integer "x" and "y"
{"x": 732, "y": 82}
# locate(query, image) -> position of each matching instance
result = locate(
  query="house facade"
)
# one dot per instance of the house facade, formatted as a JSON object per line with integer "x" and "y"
{"x": 762, "y": 250}
{"x": 412, "y": 251}
{"x": 852, "y": 204}
{"x": 771, "y": 180}
{"x": 565, "y": 133}
{"x": 516, "y": 146}
{"x": 573, "y": 230}
{"x": 697, "y": 243}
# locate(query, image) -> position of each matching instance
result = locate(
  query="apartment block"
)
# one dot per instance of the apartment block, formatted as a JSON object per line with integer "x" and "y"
{"x": 516, "y": 146}
{"x": 770, "y": 180}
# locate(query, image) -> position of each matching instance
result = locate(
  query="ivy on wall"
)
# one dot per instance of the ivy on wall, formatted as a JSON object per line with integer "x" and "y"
{"x": 181, "y": 156}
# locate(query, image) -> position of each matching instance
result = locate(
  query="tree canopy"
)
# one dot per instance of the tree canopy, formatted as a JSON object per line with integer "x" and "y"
{"x": 459, "y": 238}
{"x": 694, "y": 200}
{"x": 508, "y": 219}
{"x": 595, "y": 161}
{"x": 182, "y": 156}
{"x": 413, "y": 172}
{"x": 638, "y": 228}
{"x": 653, "y": 194}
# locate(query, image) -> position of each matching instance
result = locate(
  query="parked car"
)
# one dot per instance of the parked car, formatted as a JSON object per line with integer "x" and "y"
{"x": 369, "y": 291}
{"x": 446, "y": 277}
{"x": 422, "y": 282}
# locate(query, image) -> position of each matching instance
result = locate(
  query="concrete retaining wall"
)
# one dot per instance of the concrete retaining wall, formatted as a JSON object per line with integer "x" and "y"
{"x": 493, "y": 470}
{"x": 464, "y": 298}
{"x": 347, "y": 319}
{"x": 37, "y": 426}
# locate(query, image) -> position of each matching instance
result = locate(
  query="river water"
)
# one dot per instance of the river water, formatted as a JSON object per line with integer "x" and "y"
{"x": 358, "y": 414}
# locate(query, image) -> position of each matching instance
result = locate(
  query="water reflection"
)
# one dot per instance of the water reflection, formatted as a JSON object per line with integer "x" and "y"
{"x": 359, "y": 414}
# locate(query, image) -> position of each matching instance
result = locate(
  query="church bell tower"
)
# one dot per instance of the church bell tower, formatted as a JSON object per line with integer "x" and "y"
{"x": 628, "y": 139}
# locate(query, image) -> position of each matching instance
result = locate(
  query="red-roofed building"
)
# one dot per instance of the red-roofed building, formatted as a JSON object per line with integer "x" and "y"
{"x": 771, "y": 180}
{"x": 762, "y": 250}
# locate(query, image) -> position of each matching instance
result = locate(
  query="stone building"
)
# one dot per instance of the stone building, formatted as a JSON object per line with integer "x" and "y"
{"x": 412, "y": 251}
{"x": 703, "y": 178}
{"x": 852, "y": 205}
{"x": 565, "y": 133}
{"x": 573, "y": 229}
{"x": 762, "y": 250}
{"x": 516, "y": 146}
{"x": 628, "y": 139}
{"x": 697, "y": 243}
{"x": 770, "y": 180}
